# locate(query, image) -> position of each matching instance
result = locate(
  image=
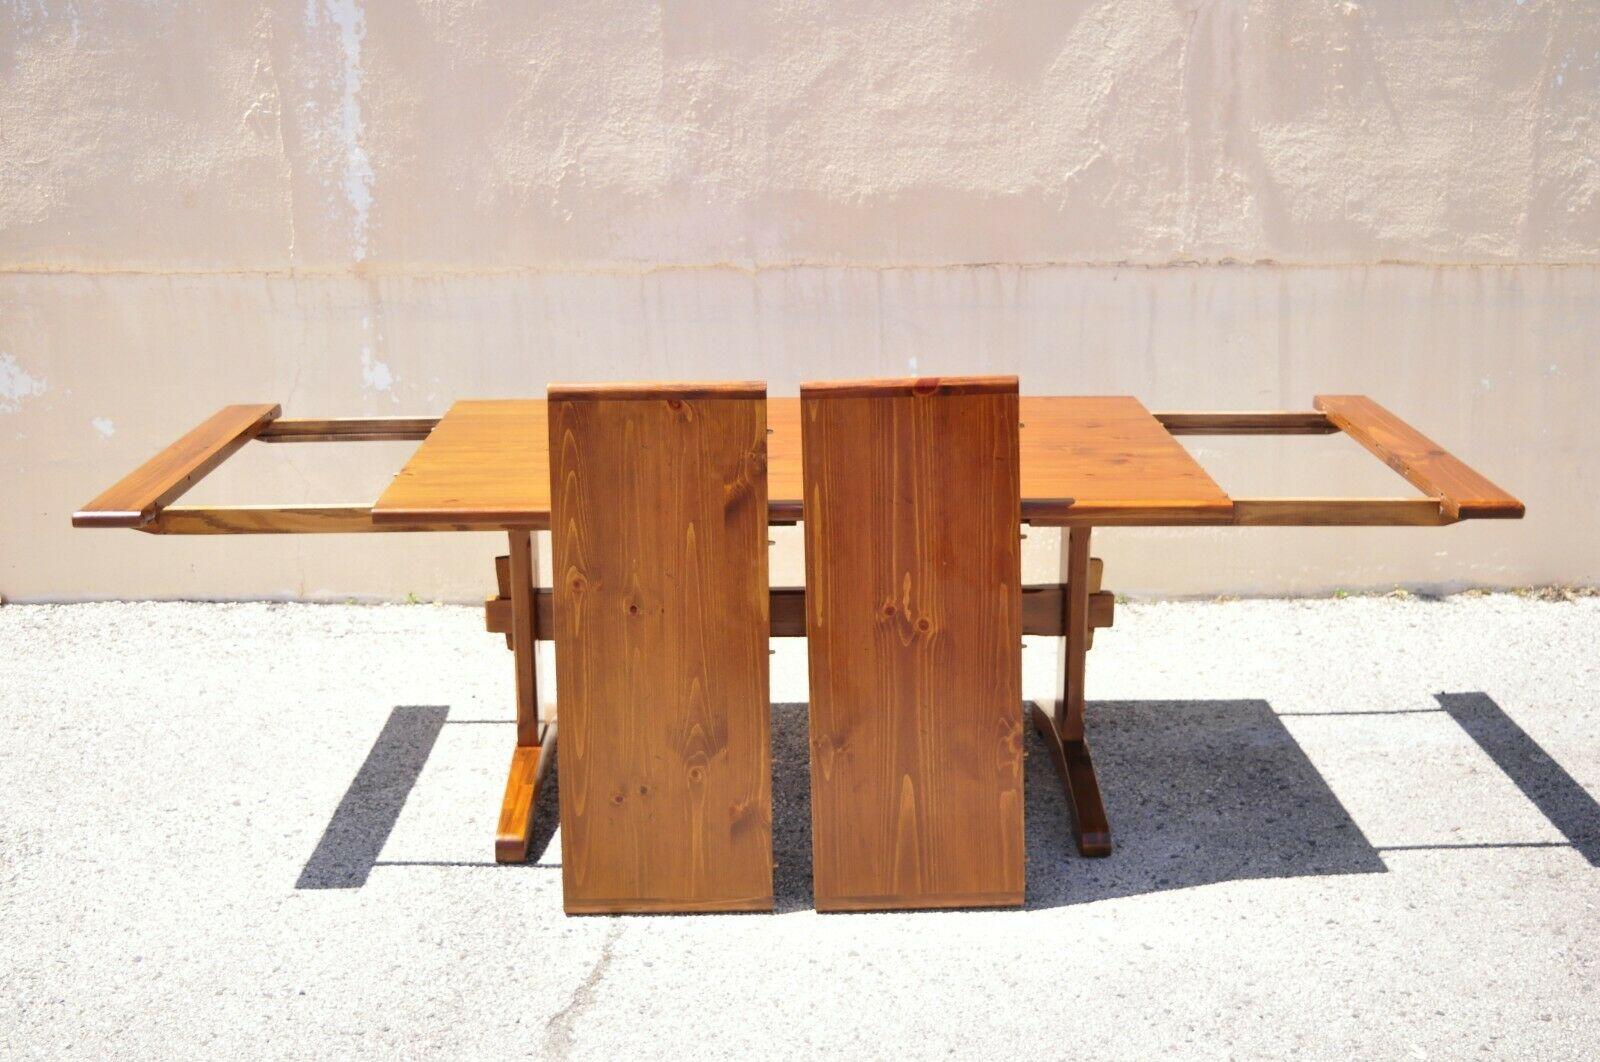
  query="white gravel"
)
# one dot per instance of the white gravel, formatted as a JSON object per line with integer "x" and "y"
{"x": 1314, "y": 858}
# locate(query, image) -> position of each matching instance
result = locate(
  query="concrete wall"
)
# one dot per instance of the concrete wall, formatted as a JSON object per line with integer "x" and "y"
{"x": 377, "y": 208}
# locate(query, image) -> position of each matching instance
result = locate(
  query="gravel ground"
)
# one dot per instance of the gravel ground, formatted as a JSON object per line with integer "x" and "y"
{"x": 265, "y": 830}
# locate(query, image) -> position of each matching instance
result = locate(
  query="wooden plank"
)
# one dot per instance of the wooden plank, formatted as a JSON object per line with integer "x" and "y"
{"x": 681, "y": 392}
{"x": 1075, "y": 571}
{"x": 914, "y": 624}
{"x": 1108, "y": 454}
{"x": 1464, "y": 493}
{"x": 137, "y": 496}
{"x": 911, "y": 386}
{"x": 486, "y": 465}
{"x": 660, "y": 576}
{"x": 529, "y": 766}
{"x": 1042, "y": 611}
{"x": 1263, "y": 422}
{"x": 543, "y": 622}
{"x": 1339, "y": 512}
{"x": 274, "y": 520}
{"x": 1091, "y": 830}
{"x": 1084, "y": 460}
{"x": 347, "y": 429}
{"x": 522, "y": 578}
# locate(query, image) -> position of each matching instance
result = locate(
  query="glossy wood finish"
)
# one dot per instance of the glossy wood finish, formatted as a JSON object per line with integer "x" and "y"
{"x": 660, "y": 548}
{"x": 345, "y": 519}
{"x": 482, "y": 472}
{"x": 1339, "y": 512}
{"x": 1083, "y": 460}
{"x": 524, "y": 633}
{"x": 530, "y": 765}
{"x": 1075, "y": 630}
{"x": 518, "y": 578}
{"x": 1101, "y": 459}
{"x": 136, "y": 497}
{"x": 1063, "y": 727}
{"x": 914, "y": 625}
{"x": 485, "y": 465}
{"x": 1091, "y": 831}
{"x": 1043, "y": 612}
{"x": 1425, "y": 464}
{"x": 1109, "y": 455}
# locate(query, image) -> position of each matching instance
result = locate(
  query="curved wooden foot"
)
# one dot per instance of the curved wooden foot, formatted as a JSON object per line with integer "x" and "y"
{"x": 528, "y": 766}
{"x": 1089, "y": 826}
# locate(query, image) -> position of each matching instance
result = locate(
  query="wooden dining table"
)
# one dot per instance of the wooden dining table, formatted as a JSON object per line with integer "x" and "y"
{"x": 1085, "y": 462}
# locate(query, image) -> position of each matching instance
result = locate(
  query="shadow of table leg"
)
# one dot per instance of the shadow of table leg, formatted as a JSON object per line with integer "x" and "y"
{"x": 1202, "y": 792}
{"x": 1556, "y": 794}
{"x": 371, "y": 805}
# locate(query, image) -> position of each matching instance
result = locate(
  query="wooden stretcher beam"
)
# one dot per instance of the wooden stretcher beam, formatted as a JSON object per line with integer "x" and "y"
{"x": 1339, "y": 512}
{"x": 272, "y": 520}
{"x": 1042, "y": 611}
{"x": 348, "y": 429}
{"x": 136, "y": 497}
{"x": 1247, "y": 512}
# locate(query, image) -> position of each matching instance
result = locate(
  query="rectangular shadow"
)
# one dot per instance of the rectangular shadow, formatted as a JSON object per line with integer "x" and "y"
{"x": 1556, "y": 794}
{"x": 356, "y": 834}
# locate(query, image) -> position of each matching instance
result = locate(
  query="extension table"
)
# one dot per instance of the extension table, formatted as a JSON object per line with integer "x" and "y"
{"x": 1084, "y": 462}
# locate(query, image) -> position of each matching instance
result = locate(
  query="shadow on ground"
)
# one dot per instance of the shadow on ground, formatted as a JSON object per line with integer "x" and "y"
{"x": 1197, "y": 792}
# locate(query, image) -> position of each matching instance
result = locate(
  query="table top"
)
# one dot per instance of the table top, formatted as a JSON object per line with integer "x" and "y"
{"x": 487, "y": 465}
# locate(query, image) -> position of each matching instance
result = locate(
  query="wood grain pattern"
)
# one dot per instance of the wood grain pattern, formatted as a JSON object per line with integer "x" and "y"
{"x": 486, "y": 464}
{"x": 1085, "y": 462}
{"x": 655, "y": 389}
{"x": 1109, "y": 452}
{"x": 660, "y": 553}
{"x": 1339, "y": 512}
{"x": 1424, "y": 463}
{"x": 1108, "y": 457}
{"x": 136, "y": 497}
{"x": 1075, "y": 569}
{"x": 517, "y": 576}
{"x": 1063, "y": 727}
{"x": 530, "y": 764}
{"x": 524, "y": 634}
{"x": 1043, "y": 611}
{"x": 914, "y": 623}
{"x": 347, "y": 519}
{"x": 1091, "y": 830}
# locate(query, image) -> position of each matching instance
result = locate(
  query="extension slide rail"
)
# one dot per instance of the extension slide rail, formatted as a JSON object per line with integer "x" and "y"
{"x": 1084, "y": 462}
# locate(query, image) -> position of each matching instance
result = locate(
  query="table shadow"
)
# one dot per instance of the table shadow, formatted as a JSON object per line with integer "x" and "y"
{"x": 1197, "y": 792}
{"x": 354, "y": 837}
{"x": 1560, "y": 797}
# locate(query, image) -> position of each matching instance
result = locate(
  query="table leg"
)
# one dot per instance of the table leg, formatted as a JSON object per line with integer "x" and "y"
{"x": 1063, "y": 730}
{"x": 535, "y": 749}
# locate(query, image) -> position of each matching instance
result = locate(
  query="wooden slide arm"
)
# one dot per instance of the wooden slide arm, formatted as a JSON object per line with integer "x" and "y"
{"x": 1462, "y": 493}
{"x": 136, "y": 499}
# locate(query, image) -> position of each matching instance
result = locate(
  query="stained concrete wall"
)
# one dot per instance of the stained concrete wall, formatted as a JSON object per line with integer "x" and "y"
{"x": 376, "y": 208}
